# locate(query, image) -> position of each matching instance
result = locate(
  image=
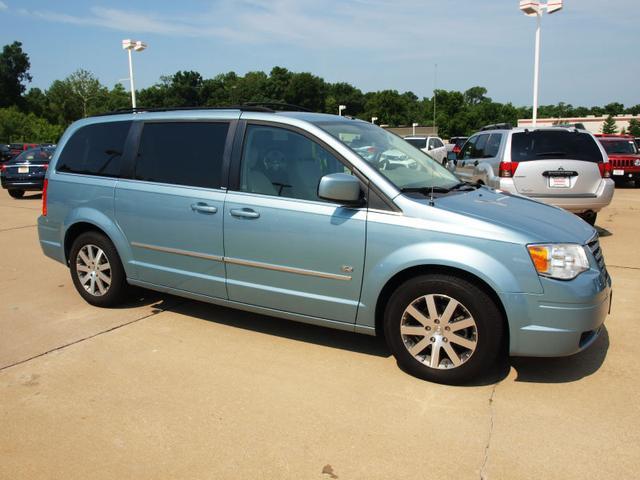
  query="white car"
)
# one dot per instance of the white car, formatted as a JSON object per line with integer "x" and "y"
{"x": 434, "y": 146}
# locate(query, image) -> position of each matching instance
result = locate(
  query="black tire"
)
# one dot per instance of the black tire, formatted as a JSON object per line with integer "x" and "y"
{"x": 489, "y": 328}
{"x": 16, "y": 193}
{"x": 589, "y": 217}
{"x": 117, "y": 290}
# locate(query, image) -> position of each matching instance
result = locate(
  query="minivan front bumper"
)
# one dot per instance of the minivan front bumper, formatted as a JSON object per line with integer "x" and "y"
{"x": 564, "y": 320}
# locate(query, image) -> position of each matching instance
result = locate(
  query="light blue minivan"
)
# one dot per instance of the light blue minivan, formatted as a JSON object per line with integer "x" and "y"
{"x": 325, "y": 220}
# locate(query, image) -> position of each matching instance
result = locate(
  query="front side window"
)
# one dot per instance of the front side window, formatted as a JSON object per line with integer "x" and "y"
{"x": 468, "y": 148}
{"x": 95, "y": 149}
{"x": 182, "y": 153}
{"x": 283, "y": 163}
{"x": 437, "y": 143}
{"x": 402, "y": 164}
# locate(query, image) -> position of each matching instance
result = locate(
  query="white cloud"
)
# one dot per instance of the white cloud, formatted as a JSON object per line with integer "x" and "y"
{"x": 3, "y": 6}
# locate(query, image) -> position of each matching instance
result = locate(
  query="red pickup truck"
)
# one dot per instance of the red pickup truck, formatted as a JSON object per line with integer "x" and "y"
{"x": 624, "y": 157}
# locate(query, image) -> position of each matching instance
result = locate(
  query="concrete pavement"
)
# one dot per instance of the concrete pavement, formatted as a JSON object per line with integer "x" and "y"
{"x": 170, "y": 388}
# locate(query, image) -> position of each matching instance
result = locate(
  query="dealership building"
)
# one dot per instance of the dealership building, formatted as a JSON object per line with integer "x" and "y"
{"x": 590, "y": 122}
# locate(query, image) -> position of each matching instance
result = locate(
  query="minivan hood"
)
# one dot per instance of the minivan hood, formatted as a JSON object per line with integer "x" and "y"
{"x": 534, "y": 220}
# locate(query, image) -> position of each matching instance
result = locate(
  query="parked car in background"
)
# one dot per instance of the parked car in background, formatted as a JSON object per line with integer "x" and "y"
{"x": 624, "y": 157}
{"x": 26, "y": 171}
{"x": 560, "y": 166}
{"x": 452, "y": 274}
{"x": 455, "y": 144}
{"x": 434, "y": 146}
{"x": 5, "y": 153}
{"x": 17, "y": 148}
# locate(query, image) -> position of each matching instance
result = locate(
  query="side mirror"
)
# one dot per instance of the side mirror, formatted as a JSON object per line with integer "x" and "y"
{"x": 340, "y": 188}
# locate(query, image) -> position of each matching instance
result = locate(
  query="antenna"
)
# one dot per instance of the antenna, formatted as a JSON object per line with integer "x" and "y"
{"x": 431, "y": 203}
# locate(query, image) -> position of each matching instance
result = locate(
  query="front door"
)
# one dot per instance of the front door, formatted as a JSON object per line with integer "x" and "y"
{"x": 171, "y": 211}
{"x": 285, "y": 248}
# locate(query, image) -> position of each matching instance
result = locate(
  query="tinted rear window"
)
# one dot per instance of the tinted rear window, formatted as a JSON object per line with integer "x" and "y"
{"x": 37, "y": 155}
{"x": 95, "y": 150}
{"x": 182, "y": 153}
{"x": 417, "y": 142}
{"x": 620, "y": 147}
{"x": 544, "y": 144}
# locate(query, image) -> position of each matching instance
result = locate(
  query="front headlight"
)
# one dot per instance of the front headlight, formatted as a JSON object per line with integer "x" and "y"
{"x": 637, "y": 162}
{"x": 563, "y": 261}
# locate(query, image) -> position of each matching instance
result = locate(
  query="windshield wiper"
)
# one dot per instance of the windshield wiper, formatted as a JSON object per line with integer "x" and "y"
{"x": 549, "y": 154}
{"x": 425, "y": 190}
{"x": 469, "y": 186}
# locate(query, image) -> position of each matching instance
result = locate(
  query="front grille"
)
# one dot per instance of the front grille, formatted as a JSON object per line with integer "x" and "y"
{"x": 594, "y": 246}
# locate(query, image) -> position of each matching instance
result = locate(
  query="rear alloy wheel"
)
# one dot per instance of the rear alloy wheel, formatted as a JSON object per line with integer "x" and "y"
{"x": 96, "y": 270}
{"x": 443, "y": 328}
{"x": 16, "y": 193}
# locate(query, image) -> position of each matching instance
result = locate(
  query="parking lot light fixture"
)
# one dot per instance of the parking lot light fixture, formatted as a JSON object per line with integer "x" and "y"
{"x": 374, "y": 120}
{"x": 138, "y": 46}
{"x": 341, "y": 108}
{"x": 414, "y": 125}
{"x": 535, "y": 9}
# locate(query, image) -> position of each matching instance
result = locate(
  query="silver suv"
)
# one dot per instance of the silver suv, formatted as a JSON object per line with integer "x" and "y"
{"x": 432, "y": 146}
{"x": 565, "y": 167}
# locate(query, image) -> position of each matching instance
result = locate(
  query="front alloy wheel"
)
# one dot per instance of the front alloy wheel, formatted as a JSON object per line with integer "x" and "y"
{"x": 443, "y": 328}
{"x": 439, "y": 331}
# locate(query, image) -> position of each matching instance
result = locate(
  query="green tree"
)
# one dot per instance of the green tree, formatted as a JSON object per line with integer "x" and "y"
{"x": 16, "y": 126}
{"x": 14, "y": 73}
{"x": 306, "y": 90}
{"x": 87, "y": 90}
{"x": 609, "y": 125}
{"x": 634, "y": 127}
{"x": 613, "y": 108}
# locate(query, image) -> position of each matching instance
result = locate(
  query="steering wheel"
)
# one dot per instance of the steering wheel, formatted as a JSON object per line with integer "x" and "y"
{"x": 274, "y": 160}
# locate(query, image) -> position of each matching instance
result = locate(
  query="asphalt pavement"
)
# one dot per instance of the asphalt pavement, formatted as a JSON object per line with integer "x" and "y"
{"x": 171, "y": 388}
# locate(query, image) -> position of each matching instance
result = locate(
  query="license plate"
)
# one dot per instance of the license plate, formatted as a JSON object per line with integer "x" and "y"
{"x": 559, "y": 182}
{"x": 618, "y": 172}
{"x": 23, "y": 169}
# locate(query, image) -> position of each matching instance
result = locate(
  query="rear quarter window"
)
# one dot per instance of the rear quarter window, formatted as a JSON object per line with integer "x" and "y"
{"x": 544, "y": 144}
{"x": 95, "y": 149}
{"x": 417, "y": 142}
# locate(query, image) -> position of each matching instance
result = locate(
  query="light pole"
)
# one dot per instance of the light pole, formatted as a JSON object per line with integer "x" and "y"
{"x": 341, "y": 108}
{"x": 414, "y": 125}
{"x": 374, "y": 120}
{"x": 138, "y": 46}
{"x": 435, "y": 86}
{"x": 535, "y": 9}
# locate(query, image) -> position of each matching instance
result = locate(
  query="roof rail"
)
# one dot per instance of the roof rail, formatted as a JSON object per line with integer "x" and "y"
{"x": 246, "y": 108}
{"x": 497, "y": 126}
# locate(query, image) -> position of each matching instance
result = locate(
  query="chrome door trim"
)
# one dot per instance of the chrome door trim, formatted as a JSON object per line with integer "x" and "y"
{"x": 188, "y": 253}
{"x": 245, "y": 263}
{"x": 278, "y": 268}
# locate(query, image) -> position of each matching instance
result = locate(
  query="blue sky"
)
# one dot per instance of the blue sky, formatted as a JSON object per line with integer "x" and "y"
{"x": 589, "y": 50}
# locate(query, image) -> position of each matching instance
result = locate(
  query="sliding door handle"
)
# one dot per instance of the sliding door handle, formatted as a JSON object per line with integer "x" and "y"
{"x": 244, "y": 213}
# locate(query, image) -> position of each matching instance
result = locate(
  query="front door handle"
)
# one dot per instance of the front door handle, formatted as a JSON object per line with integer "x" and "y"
{"x": 203, "y": 207}
{"x": 244, "y": 213}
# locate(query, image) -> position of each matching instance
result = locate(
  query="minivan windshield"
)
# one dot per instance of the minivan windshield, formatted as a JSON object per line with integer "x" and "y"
{"x": 619, "y": 147}
{"x": 547, "y": 144}
{"x": 400, "y": 162}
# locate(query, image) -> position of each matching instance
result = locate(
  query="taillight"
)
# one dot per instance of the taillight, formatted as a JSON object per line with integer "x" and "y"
{"x": 507, "y": 169}
{"x": 605, "y": 169}
{"x": 456, "y": 149}
{"x": 44, "y": 197}
{"x": 3, "y": 167}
